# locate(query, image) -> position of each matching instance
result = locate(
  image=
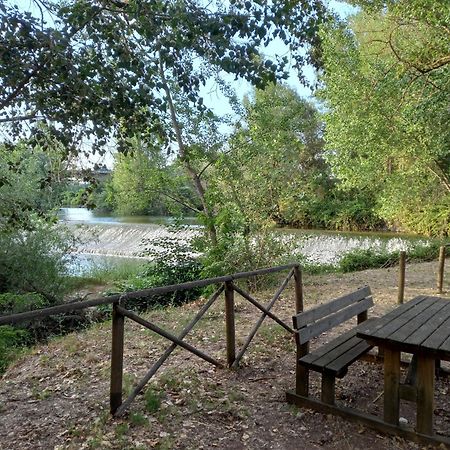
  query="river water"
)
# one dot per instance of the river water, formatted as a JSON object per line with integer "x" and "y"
{"x": 109, "y": 239}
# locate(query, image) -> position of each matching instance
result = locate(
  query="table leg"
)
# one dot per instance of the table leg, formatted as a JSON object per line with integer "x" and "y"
{"x": 391, "y": 386}
{"x": 425, "y": 394}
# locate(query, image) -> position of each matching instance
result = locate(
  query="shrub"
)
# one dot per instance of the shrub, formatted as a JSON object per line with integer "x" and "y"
{"x": 173, "y": 262}
{"x": 35, "y": 260}
{"x": 365, "y": 259}
{"x": 11, "y": 340}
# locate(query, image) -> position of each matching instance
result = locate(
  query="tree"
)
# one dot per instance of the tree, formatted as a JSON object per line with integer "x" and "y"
{"x": 93, "y": 69}
{"x": 275, "y": 165}
{"x": 33, "y": 251}
{"x": 106, "y": 69}
{"x": 384, "y": 83}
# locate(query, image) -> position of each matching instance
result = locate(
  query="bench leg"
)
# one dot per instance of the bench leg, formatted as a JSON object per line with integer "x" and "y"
{"x": 328, "y": 384}
{"x": 301, "y": 372}
{"x": 302, "y": 381}
{"x": 425, "y": 394}
{"x": 391, "y": 386}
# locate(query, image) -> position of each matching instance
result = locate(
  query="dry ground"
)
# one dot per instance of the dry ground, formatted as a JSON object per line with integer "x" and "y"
{"x": 56, "y": 396}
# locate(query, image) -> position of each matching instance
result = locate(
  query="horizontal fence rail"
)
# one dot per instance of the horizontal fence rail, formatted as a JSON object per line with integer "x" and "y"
{"x": 225, "y": 284}
{"x": 75, "y": 306}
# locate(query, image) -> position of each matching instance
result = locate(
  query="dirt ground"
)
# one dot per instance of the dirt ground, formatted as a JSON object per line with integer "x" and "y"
{"x": 56, "y": 396}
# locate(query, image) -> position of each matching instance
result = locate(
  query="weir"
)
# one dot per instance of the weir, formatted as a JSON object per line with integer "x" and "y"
{"x": 125, "y": 240}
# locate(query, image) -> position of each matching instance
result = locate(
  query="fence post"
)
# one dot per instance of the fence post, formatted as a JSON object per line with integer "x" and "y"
{"x": 229, "y": 323}
{"x": 401, "y": 277}
{"x": 298, "y": 289}
{"x": 440, "y": 280}
{"x": 115, "y": 396}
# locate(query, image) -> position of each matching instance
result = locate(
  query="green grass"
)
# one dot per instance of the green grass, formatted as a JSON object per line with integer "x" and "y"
{"x": 152, "y": 400}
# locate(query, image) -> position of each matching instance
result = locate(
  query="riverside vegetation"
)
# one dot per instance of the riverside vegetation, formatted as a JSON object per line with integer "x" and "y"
{"x": 354, "y": 158}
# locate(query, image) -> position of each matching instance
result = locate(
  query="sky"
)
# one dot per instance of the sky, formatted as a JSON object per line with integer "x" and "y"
{"x": 213, "y": 98}
{"x": 219, "y": 104}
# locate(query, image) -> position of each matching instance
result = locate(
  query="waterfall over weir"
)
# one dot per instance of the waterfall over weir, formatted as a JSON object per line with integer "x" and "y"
{"x": 125, "y": 240}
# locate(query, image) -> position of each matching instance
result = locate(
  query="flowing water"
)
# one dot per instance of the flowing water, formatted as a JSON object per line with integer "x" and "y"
{"x": 106, "y": 239}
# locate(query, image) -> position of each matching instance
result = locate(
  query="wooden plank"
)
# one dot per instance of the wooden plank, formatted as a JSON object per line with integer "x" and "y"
{"x": 261, "y": 308}
{"x": 365, "y": 419}
{"x": 444, "y": 348}
{"x": 67, "y": 307}
{"x": 298, "y": 286}
{"x": 146, "y": 378}
{"x": 230, "y": 329}
{"x": 372, "y": 328}
{"x": 115, "y": 390}
{"x": 340, "y": 364}
{"x": 391, "y": 386}
{"x": 330, "y": 346}
{"x": 168, "y": 336}
{"x": 438, "y": 337}
{"x": 396, "y": 323}
{"x": 261, "y": 319}
{"x": 307, "y": 333}
{"x": 328, "y": 388}
{"x": 330, "y": 307}
{"x": 392, "y": 321}
{"x": 425, "y": 394}
{"x": 319, "y": 358}
{"x": 426, "y": 330}
{"x": 403, "y": 333}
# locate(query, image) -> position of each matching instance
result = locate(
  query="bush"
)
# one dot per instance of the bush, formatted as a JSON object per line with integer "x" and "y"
{"x": 35, "y": 260}
{"x": 365, "y": 259}
{"x": 11, "y": 340}
{"x": 173, "y": 262}
{"x": 370, "y": 259}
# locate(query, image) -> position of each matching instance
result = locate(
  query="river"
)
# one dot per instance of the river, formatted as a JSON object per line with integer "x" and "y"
{"x": 107, "y": 239}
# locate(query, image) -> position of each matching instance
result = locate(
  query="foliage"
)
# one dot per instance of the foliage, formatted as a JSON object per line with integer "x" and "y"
{"x": 136, "y": 179}
{"x": 11, "y": 340}
{"x": 31, "y": 180}
{"x": 173, "y": 262}
{"x": 36, "y": 260}
{"x": 92, "y": 69}
{"x": 275, "y": 166}
{"x": 143, "y": 182}
{"x": 364, "y": 259}
{"x": 385, "y": 83}
{"x": 369, "y": 259}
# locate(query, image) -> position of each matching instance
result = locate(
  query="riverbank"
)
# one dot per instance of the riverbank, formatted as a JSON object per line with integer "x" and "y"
{"x": 57, "y": 396}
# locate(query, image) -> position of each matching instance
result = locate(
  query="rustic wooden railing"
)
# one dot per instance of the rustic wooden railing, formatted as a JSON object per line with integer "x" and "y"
{"x": 225, "y": 284}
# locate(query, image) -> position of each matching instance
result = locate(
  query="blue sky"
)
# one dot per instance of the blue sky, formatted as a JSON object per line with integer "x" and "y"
{"x": 219, "y": 104}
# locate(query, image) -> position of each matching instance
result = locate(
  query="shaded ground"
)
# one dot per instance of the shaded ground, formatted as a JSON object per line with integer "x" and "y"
{"x": 56, "y": 397}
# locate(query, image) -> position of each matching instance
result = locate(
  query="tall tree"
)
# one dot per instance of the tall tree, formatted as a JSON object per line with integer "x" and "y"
{"x": 93, "y": 68}
{"x": 275, "y": 161}
{"x": 103, "y": 68}
{"x": 386, "y": 84}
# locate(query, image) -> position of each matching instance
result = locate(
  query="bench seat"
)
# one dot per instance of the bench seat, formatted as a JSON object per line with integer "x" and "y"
{"x": 337, "y": 355}
{"x": 333, "y": 358}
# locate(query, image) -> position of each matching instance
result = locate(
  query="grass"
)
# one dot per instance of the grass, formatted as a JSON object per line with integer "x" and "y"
{"x": 106, "y": 273}
{"x": 152, "y": 400}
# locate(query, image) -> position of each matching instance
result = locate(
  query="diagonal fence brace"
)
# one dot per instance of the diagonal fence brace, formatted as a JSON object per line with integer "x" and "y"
{"x": 261, "y": 320}
{"x": 261, "y": 307}
{"x": 145, "y": 323}
{"x": 124, "y": 406}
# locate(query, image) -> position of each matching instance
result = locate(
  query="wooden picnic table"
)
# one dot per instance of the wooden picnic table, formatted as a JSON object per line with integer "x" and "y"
{"x": 420, "y": 327}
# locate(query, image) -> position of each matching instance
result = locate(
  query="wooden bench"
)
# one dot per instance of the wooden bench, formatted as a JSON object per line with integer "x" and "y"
{"x": 333, "y": 358}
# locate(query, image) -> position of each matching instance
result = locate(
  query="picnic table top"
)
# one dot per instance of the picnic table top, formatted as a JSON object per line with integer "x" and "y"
{"x": 420, "y": 326}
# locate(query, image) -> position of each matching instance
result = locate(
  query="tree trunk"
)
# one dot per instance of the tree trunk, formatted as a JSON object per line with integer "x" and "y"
{"x": 185, "y": 160}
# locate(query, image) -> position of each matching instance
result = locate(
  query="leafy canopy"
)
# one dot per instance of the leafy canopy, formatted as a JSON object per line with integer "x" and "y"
{"x": 385, "y": 85}
{"x": 92, "y": 68}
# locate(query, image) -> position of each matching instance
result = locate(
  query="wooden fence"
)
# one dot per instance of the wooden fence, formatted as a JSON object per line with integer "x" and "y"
{"x": 226, "y": 285}
{"x": 402, "y": 271}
